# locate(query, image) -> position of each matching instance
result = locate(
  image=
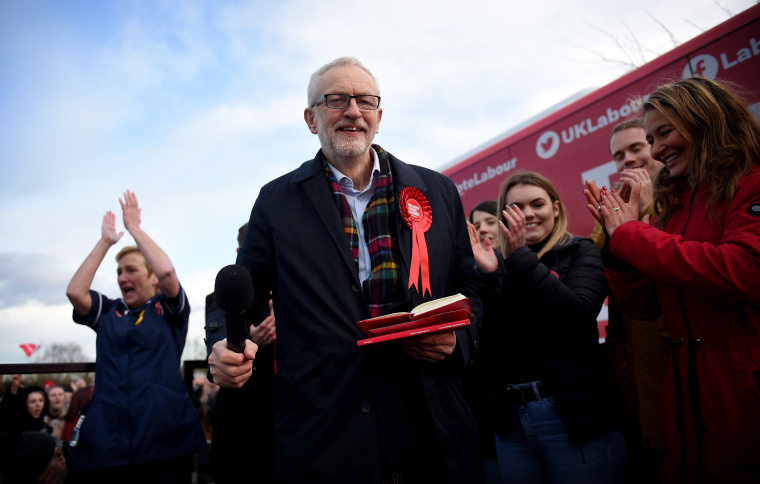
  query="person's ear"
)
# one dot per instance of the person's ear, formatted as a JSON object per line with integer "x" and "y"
{"x": 60, "y": 459}
{"x": 311, "y": 119}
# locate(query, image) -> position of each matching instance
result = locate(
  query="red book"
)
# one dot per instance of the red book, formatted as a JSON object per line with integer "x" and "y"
{"x": 430, "y": 317}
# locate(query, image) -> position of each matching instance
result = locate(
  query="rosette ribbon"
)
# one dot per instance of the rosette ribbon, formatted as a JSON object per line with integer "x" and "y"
{"x": 416, "y": 212}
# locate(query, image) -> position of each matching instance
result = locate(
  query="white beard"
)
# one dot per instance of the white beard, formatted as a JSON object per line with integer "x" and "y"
{"x": 344, "y": 148}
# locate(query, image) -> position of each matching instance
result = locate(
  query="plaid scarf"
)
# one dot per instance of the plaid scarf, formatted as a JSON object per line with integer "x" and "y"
{"x": 382, "y": 284}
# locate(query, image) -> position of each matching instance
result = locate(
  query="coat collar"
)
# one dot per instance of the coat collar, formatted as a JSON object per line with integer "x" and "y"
{"x": 403, "y": 174}
{"x": 312, "y": 177}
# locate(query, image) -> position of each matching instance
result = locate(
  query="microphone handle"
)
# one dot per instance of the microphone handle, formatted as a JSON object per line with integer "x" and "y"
{"x": 237, "y": 331}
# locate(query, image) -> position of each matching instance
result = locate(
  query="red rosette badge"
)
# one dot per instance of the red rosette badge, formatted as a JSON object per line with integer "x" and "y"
{"x": 415, "y": 209}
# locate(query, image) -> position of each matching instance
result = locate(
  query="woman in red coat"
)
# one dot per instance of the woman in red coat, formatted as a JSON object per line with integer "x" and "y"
{"x": 699, "y": 264}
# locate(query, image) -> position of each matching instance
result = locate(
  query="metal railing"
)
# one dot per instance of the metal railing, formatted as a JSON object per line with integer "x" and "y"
{"x": 188, "y": 369}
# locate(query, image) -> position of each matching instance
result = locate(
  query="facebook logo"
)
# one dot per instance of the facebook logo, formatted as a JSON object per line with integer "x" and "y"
{"x": 702, "y": 65}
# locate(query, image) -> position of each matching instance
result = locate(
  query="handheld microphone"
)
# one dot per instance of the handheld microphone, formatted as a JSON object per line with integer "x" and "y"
{"x": 233, "y": 291}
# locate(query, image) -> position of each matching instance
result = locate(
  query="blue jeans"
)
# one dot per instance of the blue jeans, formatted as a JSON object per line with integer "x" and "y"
{"x": 538, "y": 450}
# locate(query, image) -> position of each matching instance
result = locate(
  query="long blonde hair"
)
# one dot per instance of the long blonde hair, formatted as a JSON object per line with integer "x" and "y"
{"x": 559, "y": 232}
{"x": 722, "y": 133}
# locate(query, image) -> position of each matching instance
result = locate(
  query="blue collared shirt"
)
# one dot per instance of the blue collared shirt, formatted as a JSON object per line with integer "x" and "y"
{"x": 358, "y": 201}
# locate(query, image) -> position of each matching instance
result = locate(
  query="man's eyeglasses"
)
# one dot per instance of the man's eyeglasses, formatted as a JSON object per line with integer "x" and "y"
{"x": 366, "y": 102}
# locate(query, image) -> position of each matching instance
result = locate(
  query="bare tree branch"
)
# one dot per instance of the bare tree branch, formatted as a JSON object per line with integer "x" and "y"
{"x": 632, "y": 51}
{"x": 673, "y": 39}
{"x": 602, "y": 57}
{"x": 60, "y": 353}
{"x": 701, "y": 29}
{"x": 617, "y": 43}
{"x": 635, "y": 41}
{"x": 724, "y": 8}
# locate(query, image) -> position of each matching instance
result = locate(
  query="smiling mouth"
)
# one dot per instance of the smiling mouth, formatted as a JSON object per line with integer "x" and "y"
{"x": 351, "y": 129}
{"x": 669, "y": 160}
{"x": 531, "y": 226}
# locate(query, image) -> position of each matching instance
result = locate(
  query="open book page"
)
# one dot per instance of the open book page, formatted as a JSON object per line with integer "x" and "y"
{"x": 448, "y": 303}
{"x": 441, "y": 305}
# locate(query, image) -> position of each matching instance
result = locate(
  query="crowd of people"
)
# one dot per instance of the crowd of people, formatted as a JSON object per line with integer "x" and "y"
{"x": 38, "y": 407}
{"x": 525, "y": 394}
{"x": 49, "y": 409}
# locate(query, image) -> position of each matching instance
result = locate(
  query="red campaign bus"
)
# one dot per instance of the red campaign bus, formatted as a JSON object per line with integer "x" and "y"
{"x": 571, "y": 144}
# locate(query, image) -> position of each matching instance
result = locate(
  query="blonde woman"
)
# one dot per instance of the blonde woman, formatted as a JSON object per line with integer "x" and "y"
{"x": 552, "y": 403}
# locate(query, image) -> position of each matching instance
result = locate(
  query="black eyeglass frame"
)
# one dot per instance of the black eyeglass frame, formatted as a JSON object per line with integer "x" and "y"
{"x": 323, "y": 98}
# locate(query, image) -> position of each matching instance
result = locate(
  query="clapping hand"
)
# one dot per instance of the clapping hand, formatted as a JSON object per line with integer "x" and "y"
{"x": 130, "y": 210}
{"x": 631, "y": 178}
{"x": 108, "y": 230}
{"x": 264, "y": 333}
{"x": 485, "y": 258}
{"x": 514, "y": 230}
{"x": 614, "y": 211}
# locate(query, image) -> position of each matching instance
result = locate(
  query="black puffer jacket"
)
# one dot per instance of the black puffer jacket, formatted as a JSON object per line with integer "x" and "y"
{"x": 541, "y": 324}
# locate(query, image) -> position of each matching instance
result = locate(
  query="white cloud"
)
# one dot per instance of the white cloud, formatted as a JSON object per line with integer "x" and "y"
{"x": 42, "y": 325}
{"x": 27, "y": 278}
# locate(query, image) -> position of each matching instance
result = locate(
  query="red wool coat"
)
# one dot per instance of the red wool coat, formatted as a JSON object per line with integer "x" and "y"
{"x": 703, "y": 271}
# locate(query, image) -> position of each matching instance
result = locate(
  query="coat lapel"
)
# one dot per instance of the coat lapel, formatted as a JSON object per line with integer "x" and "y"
{"x": 318, "y": 190}
{"x": 405, "y": 176}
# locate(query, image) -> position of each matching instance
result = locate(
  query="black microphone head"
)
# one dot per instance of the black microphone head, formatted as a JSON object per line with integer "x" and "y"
{"x": 233, "y": 289}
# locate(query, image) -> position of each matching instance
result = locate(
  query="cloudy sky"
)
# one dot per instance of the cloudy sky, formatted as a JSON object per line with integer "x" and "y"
{"x": 195, "y": 105}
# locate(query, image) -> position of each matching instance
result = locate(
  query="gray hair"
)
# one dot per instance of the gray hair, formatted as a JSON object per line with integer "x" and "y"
{"x": 311, "y": 92}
